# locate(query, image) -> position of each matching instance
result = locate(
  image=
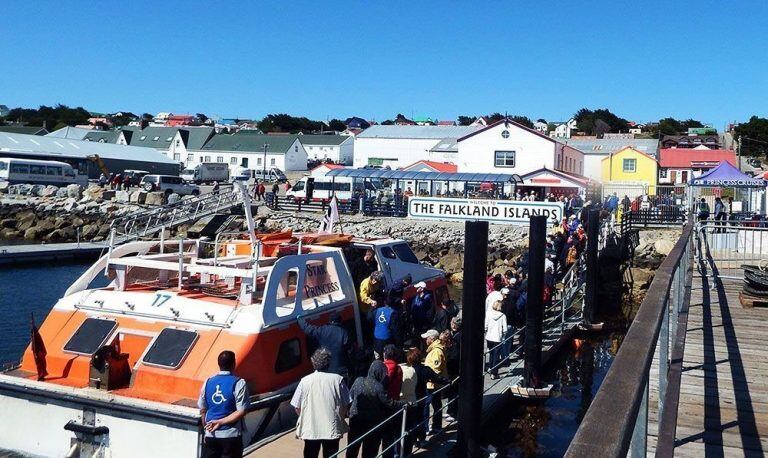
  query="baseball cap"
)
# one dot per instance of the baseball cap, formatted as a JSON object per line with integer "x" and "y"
{"x": 420, "y": 284}
{"x": 505, "y": 291}
{"x": 430, "y": 333}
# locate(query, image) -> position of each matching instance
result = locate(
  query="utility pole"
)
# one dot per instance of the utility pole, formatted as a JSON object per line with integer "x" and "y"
{"x": 264, "y": 169}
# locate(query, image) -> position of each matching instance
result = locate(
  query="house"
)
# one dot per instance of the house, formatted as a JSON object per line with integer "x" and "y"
{"x": 397, "y": 146}
{"x": 509, "y": 147}
{"x": 322, "y": 169}
{"x": 545, "y": 181}
{"x": 564, "y": 129}
{"x": 356, "y": 123}
{"x": 424, "y": 121}
{"x": 284, "y": 152}
{"x": 690, "y": 141}
{"x": 540, "y": 126}
{"x": 482, "y": 121}
{"x": 179, "y": 120}
{"x": 76, "y": 153}
{"x": 630, "y": 167}
{"x": 174, "y": 142}
{"x": 679, "y": 165}
{"x": 595, "y": 149}
{"x": 160, "y": 119}
{"x": 431, "y": 166}
{"x": 100, "y": 120}
{"x": 337, "y": 148}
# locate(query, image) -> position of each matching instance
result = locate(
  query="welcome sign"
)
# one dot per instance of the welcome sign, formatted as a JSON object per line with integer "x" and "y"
{"x": 494, "y": 211}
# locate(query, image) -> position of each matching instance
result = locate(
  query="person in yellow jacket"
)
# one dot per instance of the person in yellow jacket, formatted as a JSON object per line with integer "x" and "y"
{"x": 368, "y": 289}
{"x": 436, "y": 361}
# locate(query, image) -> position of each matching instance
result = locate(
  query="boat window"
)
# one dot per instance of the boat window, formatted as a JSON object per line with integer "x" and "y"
{"x": 405, "y": 253}
{"x": 170, "y": 347}
{"x": 90, "y": 336}
{"x": 288, "y": 356}
{"x": 388, "y": 253}
{"x": 286, "y": 293}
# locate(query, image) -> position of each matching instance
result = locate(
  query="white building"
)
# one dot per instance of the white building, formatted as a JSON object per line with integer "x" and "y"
{"x": 337, "y": 148}
{"x": 284, "y": 152}
{"x": 508, "y": 147}
{"x": 398, "y": 146}
{"x": 564, "y": 129}
{"x": 540, "y": 126}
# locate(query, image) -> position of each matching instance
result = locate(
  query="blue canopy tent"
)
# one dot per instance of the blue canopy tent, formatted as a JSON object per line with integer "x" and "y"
{"x": 725, "y": 175}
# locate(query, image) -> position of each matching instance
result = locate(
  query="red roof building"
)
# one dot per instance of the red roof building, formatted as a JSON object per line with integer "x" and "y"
{"x": 679, "y": 165}
{"x": 322, "y": 169}
{"x": 431, "y": 166}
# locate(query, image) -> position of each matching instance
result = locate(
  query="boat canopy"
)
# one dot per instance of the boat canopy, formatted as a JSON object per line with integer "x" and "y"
{"x": 387, "y": 174}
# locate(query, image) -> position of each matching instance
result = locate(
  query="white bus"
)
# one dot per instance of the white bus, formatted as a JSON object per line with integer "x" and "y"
{"x": 323, "y": 188}
{"x": 31, "y": 171}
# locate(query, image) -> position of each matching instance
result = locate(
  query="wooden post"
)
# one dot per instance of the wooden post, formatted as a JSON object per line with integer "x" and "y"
{"x": 534, "y": 308}
{"x": 590, "y": 290}
{"x": 473, "y": 326}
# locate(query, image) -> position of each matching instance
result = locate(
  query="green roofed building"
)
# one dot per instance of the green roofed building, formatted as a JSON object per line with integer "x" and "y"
{"x": 284, "y": 152}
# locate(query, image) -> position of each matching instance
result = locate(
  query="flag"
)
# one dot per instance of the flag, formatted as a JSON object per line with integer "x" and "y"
{"x": 38, "y": 351}
{"x": 331, "y": 216}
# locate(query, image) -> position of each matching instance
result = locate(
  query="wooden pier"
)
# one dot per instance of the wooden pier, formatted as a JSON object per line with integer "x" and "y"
{"x": 20, "y": 254}
{"x": 723, "y": 404}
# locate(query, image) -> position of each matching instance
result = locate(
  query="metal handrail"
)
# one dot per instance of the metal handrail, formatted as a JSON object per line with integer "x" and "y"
{"x": 623, "y": 395}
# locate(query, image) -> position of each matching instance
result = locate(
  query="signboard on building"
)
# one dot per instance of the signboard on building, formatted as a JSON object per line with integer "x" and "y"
{"x": 494, "y": 211}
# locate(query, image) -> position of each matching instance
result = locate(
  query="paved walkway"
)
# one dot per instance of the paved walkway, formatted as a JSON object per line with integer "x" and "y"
{"x": 724, "y": 386}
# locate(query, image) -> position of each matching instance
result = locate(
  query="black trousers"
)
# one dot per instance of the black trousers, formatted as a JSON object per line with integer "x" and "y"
{"x": 312, "y": 448}
{"x": 223, "y": 447}
{"x": 371, "y": 443}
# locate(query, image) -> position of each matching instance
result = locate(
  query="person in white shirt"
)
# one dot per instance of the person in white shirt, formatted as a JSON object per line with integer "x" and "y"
{"x": 321, "y": 400}
{"x": 493, "y": 297}
{"x": 495, "y": 328}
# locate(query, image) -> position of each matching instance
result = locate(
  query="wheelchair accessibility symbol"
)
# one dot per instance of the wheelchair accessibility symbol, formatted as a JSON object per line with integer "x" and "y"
{"x": 217, "y": 397}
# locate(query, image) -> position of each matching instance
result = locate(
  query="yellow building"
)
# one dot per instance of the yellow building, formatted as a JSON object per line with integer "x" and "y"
{"x": 630, "y": 166}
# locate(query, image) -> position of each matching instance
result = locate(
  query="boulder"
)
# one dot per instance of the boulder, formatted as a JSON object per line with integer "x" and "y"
{"x": 155, "y": 198}
{"x": 31, "y": 234}
{"x": 9, "y": 223}
{"x": 121, "y": 196}
{"x": 61, "y": 193}
{"x": 9, "y": 233}
{"x": 49, "y": 191}
{"x": 45, "y": 225}
{"x": 138, "y": 197}
{"x": 108, "y": 195}
{"x": 37, "y": 190}
{"x": 60, "y": 222}
{"x": 61, "y": 235}
{"x": 663, "y": 247}
{"x": 25, "y": 222}
{"x": 77, "y": 222}
{"x": 89, "y": 231}
{"x": 4, "y": 186}
{"x": 70, "y": 204}
{"x": 93, "y": 193}
{"x": 104, "y": 229}
{"x": 74, "y": 191}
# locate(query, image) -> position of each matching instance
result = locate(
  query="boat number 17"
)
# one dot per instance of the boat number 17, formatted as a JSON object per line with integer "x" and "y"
{"x": 160, "y": 299}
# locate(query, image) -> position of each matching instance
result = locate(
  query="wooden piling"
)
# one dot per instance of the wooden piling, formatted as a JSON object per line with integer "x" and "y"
{"x": 534, "y": 308}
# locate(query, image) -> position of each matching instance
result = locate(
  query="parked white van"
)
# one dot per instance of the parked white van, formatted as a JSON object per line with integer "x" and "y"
{"x": 323, "y": 188}
{"x": 32, "y": 171}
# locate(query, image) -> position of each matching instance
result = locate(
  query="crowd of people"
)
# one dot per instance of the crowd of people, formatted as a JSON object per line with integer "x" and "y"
{"x": 116, "y": 181}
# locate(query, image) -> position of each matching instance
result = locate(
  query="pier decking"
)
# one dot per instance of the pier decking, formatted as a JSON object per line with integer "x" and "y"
{"x": 723, "y": 406}
{"x": 17, "y": 254}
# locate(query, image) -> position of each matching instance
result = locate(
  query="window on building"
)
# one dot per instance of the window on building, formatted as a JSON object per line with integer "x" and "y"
{"x": 258, "y": 161}
{"x": 296, "y": 148}
{"x": 244, "y": 162}
{"x": 505, "y": 134}
{"x": 504, "y": 158}
{"x": 219, "y": 158}
{"x": 233, "y": 160}
{"x": 190, "y": 157}
{"x": 207, "y": 159}
{"x": 176, "y": 156}
{"x": 272, "y": 161}
{"x": 629, "y": 165}
{"x": 156, "y": 139}
{"x": 663, "y": 173}
{"x": 143, "y": 137}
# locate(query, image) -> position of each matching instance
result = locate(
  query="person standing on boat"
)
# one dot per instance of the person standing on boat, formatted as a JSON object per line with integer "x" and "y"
{"x": 384, "y": 319}
{"x": 422, "y": 308}
{"x": 321, "y": 401}
{"x": 223, "y": 402}
{"x": 334, "y": 338}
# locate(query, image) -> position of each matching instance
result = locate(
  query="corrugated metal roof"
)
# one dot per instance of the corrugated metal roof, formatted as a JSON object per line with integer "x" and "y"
{"x": 30, "y": 130}
{"x": 435, "y": 176}
{"x": 420, "y": 132}
{"x": 161, "y": 137}
{"x": 75, "y": 133}
{"x": 603, "y": 146}
{"x": 325, "y": 140}
{"x": 102, "y": 136}
{"x": 51, "y": 147}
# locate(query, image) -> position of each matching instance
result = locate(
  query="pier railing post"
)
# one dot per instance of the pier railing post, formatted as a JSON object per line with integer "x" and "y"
{"x": 534, "y": 307}
{"x": 590, "y": 290}
{"x": 473, "y": 329}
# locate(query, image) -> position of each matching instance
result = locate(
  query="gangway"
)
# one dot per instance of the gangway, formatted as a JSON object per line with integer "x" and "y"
{"x": 149, "y": 222}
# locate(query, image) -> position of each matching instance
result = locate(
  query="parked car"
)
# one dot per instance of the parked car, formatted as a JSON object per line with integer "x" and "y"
{"x": 169, "y": 184}
{"x": 273, "y": 174}
{"x": 136, "y": 175}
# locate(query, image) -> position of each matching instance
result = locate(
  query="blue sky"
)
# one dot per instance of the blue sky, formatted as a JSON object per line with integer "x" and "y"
{"x": 642, "y": 60}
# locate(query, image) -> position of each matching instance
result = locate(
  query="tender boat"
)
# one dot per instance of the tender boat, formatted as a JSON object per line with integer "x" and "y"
{"x": 122, "y": 365}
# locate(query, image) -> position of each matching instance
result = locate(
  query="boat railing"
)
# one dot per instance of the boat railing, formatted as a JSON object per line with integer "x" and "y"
{"x": 616, "y": 422}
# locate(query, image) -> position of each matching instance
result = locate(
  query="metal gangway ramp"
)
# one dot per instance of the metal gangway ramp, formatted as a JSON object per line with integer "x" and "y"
{"x": 148, "y": 222}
